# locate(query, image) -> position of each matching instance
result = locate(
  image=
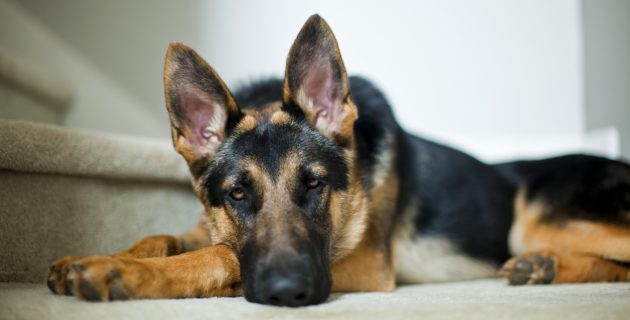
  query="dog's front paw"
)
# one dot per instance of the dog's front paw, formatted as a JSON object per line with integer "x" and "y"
{"x": 109, "y": 278}
{"x": 530, "y": 269}
{"x": 57, "y": 275}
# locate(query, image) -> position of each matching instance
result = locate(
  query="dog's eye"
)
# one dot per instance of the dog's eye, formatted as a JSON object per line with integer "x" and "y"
{"x": 237, "y": 194}
{"x": 313, "y": 183}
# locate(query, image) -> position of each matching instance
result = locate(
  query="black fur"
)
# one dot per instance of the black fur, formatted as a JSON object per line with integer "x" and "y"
{"x": 575, "y": 187}
{"x": 457, "y": 197}
{"x": 461, "y": 198}
{"x": 376, "y": 120}
{"x": 268, "y": 144}
{"x": 259, "y": 93}
{"x": 191, "y": 72}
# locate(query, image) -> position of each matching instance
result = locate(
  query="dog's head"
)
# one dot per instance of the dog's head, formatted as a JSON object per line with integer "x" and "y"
{"x": 279, "y": 183}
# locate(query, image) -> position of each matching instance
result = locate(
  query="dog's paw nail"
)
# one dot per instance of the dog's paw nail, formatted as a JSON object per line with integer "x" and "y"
{"x": 537, "y": 260}
{"x": 52, "y": 285}
{"x": 529, "y": 269}
{"x": 113, "y": 274}
{"x": 117, "y": 292}
{"x": 523, "y": 266}
{"x": 518, "y": 279}
{"x": 88, "y": 291}
{"x": 549, "y": 272}
{"x": 68, "y": 287}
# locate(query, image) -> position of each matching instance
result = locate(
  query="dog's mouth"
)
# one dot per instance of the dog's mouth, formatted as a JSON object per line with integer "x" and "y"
{"x": 286, "y": 278}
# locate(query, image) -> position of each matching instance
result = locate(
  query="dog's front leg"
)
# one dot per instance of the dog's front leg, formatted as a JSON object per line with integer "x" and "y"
{"x": 168, "y": 245}
{"x": 207, "y": 272}
{"x": 149, "y": 247}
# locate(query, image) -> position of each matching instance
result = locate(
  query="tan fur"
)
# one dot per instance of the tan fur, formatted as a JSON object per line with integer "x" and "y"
{"x": 563, "y": 267}
{"x": 580, "y": 251}
{"x": 203, "y": 262}
{"x": 338, "y": 132}
{"x": 273, "y": 222}
{"x": 365, "y": 269}
{"x": 351, "y": 114}
{"x": 280, "y": 117}
{"x": 149, "y": 247}
{"x": 287, "y": 94}
{"x": 319, "y": 170}
{"x": 153, "y": 246}
{"x": 158, "y": 267}
{"x": 431, "y": 258}
{"x": 278, "y": 224}
{"x": 572, "y": 268}
{"x": 248, "y": 123}
{"x": 213, "y": 271}
{"x": 382, "y": 196}
{"x": 178, "y": 132}
{"x": 349, "y": 214}
{"x": 529, "y": 234}
{"x": 264, "y": 112}
{"x": 362, "y": 241}
{"x": 57, "y": 275}
{"x": 196, "y": 238}
{"x": 223, "y": 227}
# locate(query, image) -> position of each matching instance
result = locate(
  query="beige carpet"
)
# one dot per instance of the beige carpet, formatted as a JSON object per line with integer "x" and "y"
{"x": 484, "y": 299}
{"x": 74, "y": 192}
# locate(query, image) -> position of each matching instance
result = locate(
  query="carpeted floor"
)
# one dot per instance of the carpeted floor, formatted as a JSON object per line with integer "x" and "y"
{"x": 90, "y": 193}
{"x": 483, "y": 299}
{"x": 84, "y": 193}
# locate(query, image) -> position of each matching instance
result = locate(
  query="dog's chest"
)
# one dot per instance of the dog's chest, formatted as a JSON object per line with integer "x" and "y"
{"x": 434, "y": 259}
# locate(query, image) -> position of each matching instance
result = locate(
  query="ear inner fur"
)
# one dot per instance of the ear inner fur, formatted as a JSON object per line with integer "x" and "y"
{"x": 201, "y": 108}
{"x": 316, "y": 81}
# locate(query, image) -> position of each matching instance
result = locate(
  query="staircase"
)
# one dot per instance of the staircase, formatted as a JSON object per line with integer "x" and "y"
{"x": 72, "y": 192}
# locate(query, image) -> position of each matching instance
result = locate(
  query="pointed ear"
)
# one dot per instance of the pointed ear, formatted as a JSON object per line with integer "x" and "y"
{"x": 316, "y": 83}
{"x": 200, "y": 106}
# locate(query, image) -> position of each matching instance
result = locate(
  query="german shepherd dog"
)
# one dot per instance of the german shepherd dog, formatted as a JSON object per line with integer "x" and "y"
{"x": 310, "y": 186}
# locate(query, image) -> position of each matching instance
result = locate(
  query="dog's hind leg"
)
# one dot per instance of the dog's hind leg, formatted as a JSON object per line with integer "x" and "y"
{"x": 554, "y": 247}
{"x": 553, "y": 268}
{"x": 149, "y": 247}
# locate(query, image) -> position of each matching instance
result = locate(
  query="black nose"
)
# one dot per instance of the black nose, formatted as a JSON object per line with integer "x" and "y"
{"x": 287, "y": 291}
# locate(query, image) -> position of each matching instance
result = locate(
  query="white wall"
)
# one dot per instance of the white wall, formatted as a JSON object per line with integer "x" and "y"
{"x": 99, "y": 103}
{"x": 454, "y": 70}
{"x": 607, "y": 66}
{"x": 500, "y": 79}
{"x": 125, "y": 40}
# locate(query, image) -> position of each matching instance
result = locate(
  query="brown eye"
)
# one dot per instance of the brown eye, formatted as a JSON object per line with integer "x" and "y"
{"x": 237, "y": 194}
{"x": 312, "y": 183}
